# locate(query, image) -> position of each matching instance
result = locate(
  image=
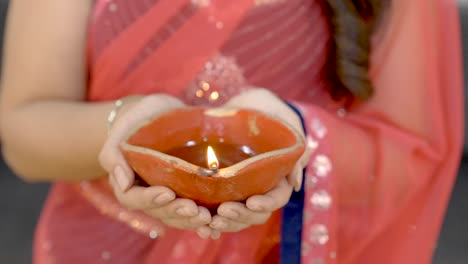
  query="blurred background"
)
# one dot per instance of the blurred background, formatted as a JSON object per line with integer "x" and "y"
{"x": 20, "y": 203}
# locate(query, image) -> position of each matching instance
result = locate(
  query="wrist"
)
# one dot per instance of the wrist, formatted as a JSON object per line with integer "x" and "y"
{"x": 119, "y": 106}
{"x": 149, "y": 102}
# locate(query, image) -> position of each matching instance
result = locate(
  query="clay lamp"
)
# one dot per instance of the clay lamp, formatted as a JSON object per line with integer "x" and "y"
{"x": 214, "y": 155}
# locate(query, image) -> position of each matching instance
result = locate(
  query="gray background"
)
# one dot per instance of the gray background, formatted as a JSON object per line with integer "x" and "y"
{"x": 21, "y": 203}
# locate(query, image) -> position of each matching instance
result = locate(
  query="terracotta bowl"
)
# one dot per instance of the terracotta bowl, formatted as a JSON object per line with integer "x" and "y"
{"x": 235, "y": 134}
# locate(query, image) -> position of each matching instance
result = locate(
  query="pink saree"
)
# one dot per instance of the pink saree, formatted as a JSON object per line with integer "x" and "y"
{"x": 378, "y": 183}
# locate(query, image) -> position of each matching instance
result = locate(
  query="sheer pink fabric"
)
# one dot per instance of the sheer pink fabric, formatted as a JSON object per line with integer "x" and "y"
{"x": 380, "y": 176}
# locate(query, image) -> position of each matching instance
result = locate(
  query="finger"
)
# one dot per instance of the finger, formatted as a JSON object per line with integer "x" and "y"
{"x": 305, "y": 158}
{"x": 271, "y": 201}
{"x": 194, "y": 222}
{"x": 238, "y": 212}
{"x": 203, "y": 232}
{"x": 112, "y": 160}
{"x": 140, "y": 198}
{"x": 175, "y": 209}
{"x": 215, "y": 234}
{"x": 124, "y": 176}
{"x": 202, "y": 219}
{"x": 295, "y": 177}
{"x": 221, "y": 224}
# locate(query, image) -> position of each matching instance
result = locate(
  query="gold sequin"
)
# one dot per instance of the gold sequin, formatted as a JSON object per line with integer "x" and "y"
{"x": 205, "y": 86}
{"x": 220, "y": 79}
{"x": 135, "y": 223}
{"x": 214, "y": 96}
{"x": 199, "y": 93}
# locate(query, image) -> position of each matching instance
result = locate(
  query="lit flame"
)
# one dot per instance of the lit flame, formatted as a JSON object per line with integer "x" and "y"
{"x": 213, "y": 163}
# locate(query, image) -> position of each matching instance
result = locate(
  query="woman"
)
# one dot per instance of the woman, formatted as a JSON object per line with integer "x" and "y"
{"x": 379, "y": 175}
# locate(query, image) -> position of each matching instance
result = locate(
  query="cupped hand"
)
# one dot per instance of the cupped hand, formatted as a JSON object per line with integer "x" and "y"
{"x": 234, "y": 216}
{"x": 265, "y": 101}
{"x": 157, "y": 201}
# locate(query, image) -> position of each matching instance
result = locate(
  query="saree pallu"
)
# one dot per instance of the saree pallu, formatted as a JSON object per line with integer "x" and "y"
{"x": 377, "y": 185}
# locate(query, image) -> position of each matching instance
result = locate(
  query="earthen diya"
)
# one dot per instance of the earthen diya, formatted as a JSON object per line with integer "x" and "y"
{"x": 214, "y": 155}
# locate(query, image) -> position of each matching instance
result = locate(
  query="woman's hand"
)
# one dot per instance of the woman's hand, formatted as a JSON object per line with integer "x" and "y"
{"x": 157, "y": 201}
{"x": 265, "y": 101}
{"x": 233, "y": 216}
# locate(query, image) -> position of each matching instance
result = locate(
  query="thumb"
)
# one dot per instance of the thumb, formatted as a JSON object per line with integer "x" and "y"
{"x": 305, "y": 158}
{"x": 295, "y": 177}
{"x": 123, "y": 174}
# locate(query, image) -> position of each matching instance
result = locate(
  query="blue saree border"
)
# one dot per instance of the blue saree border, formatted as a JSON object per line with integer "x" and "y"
{"x": 292, "y": 219}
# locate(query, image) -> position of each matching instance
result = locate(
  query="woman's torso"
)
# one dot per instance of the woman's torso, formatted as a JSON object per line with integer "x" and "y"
{"x": 280, "y": 45}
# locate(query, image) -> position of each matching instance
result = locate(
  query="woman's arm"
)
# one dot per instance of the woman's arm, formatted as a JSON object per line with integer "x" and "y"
{"x": 48, "y": 132}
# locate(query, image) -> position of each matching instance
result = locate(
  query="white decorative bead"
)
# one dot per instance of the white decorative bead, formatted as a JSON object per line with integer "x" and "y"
{"x": 153, "y": 234}
{"x": 318, "y": 128}
{"x": 322, "y": 165}
{"x": 311, "y": 181}
{"x": 319, "y": 234}
{"x": 312, "y": 144}
{"x": 341, "y": 112}
{"x": 321, "y": 200}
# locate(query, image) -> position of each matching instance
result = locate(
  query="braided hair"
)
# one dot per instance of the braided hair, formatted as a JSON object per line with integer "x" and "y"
{"x": 351, "y": 23}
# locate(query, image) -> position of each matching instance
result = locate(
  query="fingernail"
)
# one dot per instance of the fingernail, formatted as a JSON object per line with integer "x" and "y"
{"x": 184, "y": 211}
{"x": 298, "y": 186}
{"x": 162, "y": 198}
{"x": 256, "y": 207}
{"x": 215, "y": 234}
{"x": 200, "y": 219}
{"x": 122, "y": 179}
{"x": 294, "y": 175}
{"x": 203, "y": 234}
{"x": 205, "y": 218}
{"x": 229, "y": 213}
{"x": 218, "y": 224}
